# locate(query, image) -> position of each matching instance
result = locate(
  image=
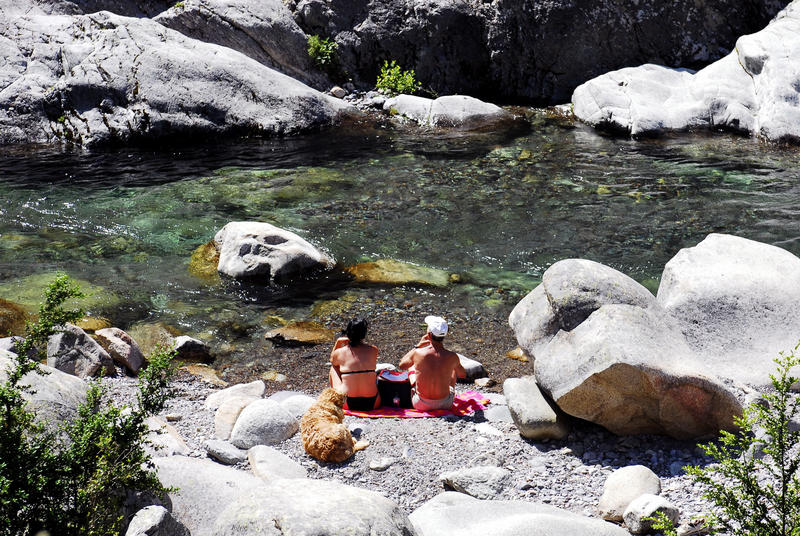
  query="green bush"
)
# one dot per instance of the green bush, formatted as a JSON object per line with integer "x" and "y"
{"x": 73, "y": 482}
{"x": 392, "y": 80}
{"x": 323, "y": 52}
{"x": 754, "y": 485}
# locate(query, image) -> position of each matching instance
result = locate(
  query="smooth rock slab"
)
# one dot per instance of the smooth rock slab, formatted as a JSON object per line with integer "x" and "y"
{"x": 646, "y": 506}
{"x": 532, "y": 413}
{"x": 261, "y": 250}
{"x": 263, "y": 422}
{"x": 254, "y": 389}
{"x": 301, "y": 333}
{"x": 224, "y": 452}
{"x": 205, "y": 488}
{"x": 455, "y": 513}
{"x": 268, "y": 463}
{"x": 623, "y": 486}
{"x": 155, "y": 521}
{"x": 481, "y": 482}
{"x": 56, "y": 395}
{"x": 74, "y": 352}
{"x": 121, "y": 347}
{"x": 306, "y": 506}
{"x": 165, "y": 438}
{"x": 737, "y": 302}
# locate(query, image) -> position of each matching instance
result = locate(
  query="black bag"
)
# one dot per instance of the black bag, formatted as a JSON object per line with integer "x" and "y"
{"x": 395, "y": 389}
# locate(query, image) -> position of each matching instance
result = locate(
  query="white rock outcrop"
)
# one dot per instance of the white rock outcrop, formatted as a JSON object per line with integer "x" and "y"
{"x": 755, "y": 89}
{"x": 262, "y": 250}
{"x": 451, "y": 111}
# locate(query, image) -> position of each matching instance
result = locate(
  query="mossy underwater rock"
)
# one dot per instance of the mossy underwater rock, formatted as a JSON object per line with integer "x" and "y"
{"x": 394, "y": 272}
{"x": 27, "y": 291}
{"x": 149, "y": 336}
{"x": 91, "y": 324}
{"x": 301, "y": 333}
{"x": 204, "y": 261}
{"x": 12, "y": 318}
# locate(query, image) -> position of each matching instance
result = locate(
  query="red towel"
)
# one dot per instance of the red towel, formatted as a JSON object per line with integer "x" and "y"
{"x": 465, "y": 403}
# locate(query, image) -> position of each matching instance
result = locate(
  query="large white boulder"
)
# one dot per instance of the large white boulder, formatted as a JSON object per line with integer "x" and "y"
{"x": 755, "y": 89}
{"x": 737, "y": 302}
{"x": 605, "y": 351}
{"x": 254, "y": 389}
{"x": 455, "y": 513}
{"x": 305, "y": 506}
{"x": 263, "y": 422}
{"x": 268, "y": 463}
{"x": 261, "y": 250}
{"x": 155, "y": 521}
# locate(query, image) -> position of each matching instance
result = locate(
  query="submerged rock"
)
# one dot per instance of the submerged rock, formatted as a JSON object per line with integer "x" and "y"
{"x": 394, "y": 272}
{"x": 261, "y": 250}
{"x": 204, "y": 261}
{"x": 12, "y": 318}
{"x": 754, "y": 89}
{"x": 300, "y": 333}
{"x": 27, "y": 291}
{"x": 150, "y": 336}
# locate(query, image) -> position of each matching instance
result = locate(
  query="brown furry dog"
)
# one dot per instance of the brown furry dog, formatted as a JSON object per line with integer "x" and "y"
{"x": 324, "y": 436}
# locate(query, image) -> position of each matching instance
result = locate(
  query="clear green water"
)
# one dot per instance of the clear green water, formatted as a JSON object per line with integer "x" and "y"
{"x": 496, "y": 209}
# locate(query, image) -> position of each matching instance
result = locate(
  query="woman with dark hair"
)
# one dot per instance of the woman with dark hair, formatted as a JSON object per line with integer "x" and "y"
{"x": 353, "y": 368}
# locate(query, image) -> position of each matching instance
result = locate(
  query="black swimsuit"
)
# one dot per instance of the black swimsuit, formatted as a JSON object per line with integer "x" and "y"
{"x": 360, "y": 403}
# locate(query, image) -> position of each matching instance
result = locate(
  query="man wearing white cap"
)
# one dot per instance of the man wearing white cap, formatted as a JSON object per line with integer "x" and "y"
{"x": 433, "y": 369}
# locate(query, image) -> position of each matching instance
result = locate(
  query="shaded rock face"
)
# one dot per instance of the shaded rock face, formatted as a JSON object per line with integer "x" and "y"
{"x": 100, "y": 78}
{"x": 12, "y": 318}
{"x": 74, "y": 352}
{"x": 471, "y": 47}
{"x": 606, "y": 351}
{"x": 263, "y": 30}
{"x": 755, "y": 89}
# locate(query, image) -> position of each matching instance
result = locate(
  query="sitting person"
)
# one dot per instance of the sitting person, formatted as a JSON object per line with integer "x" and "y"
{"x": 353, "y": 368}
{"x": 433, "y": 370}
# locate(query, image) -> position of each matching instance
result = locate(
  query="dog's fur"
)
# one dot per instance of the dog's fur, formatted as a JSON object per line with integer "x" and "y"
{"x": 324, "y": 436}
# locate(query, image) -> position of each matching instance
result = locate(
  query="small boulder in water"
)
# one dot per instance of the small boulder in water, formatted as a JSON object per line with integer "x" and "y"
{"x": 263, "y": 251}
{"x": 301, "y": 333}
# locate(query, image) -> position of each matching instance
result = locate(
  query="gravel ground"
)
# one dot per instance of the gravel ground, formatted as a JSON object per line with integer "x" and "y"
{"x": 568, "y": 474}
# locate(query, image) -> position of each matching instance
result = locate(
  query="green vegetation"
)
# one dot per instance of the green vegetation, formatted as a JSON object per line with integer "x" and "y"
{"x": 73, "y": 481}
{"x": 323, "y": 52}
{"x": 754, "y": 485}
{"x": 179, "y": 5}
{"x": 61, "y": 119}
{"x": 392, "y": 80}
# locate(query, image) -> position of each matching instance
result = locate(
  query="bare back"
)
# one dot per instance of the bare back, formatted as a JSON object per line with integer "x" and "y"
{"x": 436, "y": 370}
{"x": 351, "y": 362}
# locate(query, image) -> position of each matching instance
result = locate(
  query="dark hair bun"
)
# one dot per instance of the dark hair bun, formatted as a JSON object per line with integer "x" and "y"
{"x": 356, "y": 330}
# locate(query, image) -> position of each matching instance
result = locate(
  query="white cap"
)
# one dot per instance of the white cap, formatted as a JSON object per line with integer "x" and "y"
{"x": 436, "y": 325}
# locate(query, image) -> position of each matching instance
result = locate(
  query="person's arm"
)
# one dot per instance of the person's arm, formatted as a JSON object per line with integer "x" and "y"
{"x": 408, "y": 360}
{"x": 424, "y": 341}
{"x": 458, "y": 370}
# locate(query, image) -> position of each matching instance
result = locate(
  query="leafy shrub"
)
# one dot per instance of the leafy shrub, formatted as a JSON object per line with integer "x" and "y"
{"x": 754, "y": 485}
{"x": 74, "y": 482}
{"x": 323, "y": 52}
{"x": 392, "y": 80}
